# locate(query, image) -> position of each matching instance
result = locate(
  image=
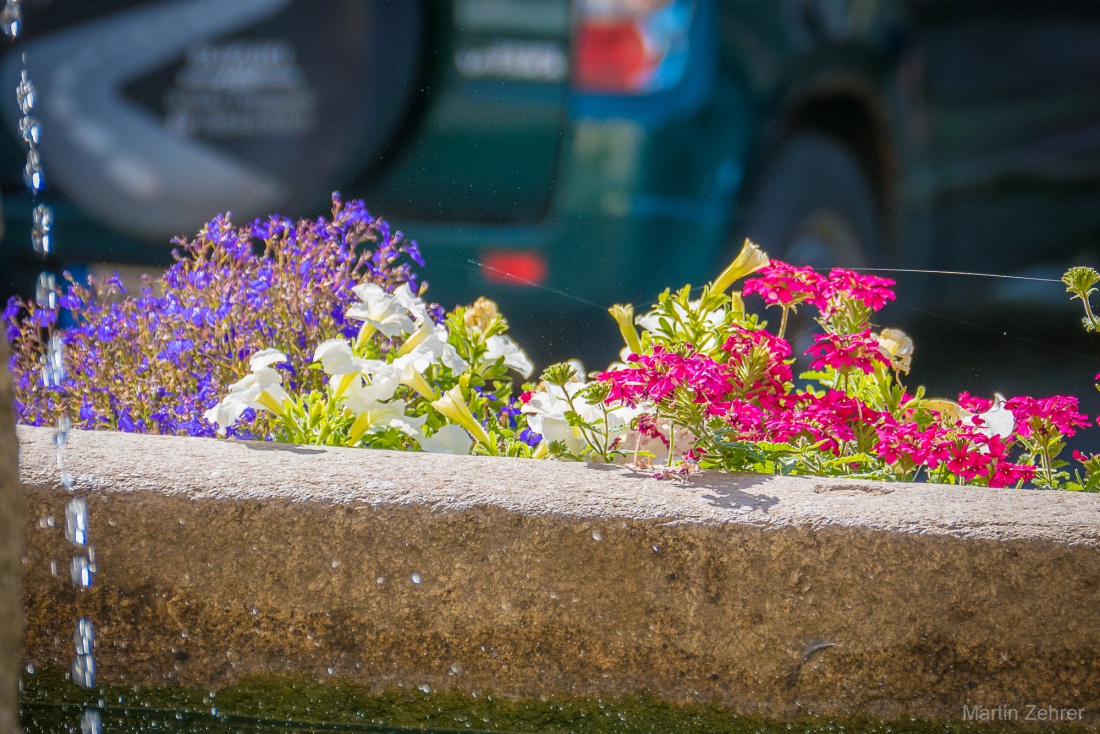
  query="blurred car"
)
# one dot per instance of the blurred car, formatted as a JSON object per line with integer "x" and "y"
{"x": 563, "y": 155}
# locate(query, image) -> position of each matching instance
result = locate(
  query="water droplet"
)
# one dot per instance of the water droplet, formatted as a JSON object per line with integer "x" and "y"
{"x": 416, "y": 578}
{"x": 50, "y": 522}
{"x": 42, "y": 229}
{"x": 67, "y": 480}
{"x": 76, "y": 521}
{"x": 25, "y": 92}
{"x": 45, "y": 290}
{"x": 656, "y": 549}
{"x": 332, "y": 671}
{"x": 29, "y": 129}
{"x": 81, "y": 571}
{"x": 425, "y": 687}
{"x": 90, "y": 722}
{"x": 53, "y": 371}
{"x": 30, "y": 668}
{"x": 380, "y": 580}
{"x": 335, "y": 563}
{"x": 84, "y": 671}
{"x": 597, "y": 536}
{"x": 213, "y": 710}
{"x": 53, "y": 568}
{"x": 11, "y": 18}
{"x": 32, "y": 172}
{"x": 84, "y": 637}
{"x": 456, "y": 668}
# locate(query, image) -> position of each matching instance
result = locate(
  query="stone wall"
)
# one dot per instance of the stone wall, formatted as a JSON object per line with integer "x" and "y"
{"x": 765, "y": 595}
{"x": 11, "y": 550}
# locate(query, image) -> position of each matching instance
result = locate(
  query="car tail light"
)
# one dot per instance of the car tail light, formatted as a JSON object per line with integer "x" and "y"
{"x": 520, "y": 267}
{"x": 630, "y": 46}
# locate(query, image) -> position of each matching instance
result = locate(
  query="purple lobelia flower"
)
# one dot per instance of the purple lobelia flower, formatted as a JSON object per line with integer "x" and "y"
{"x": 156, "y": 361}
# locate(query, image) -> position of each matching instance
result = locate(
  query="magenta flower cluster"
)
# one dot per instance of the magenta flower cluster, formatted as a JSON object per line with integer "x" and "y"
{"x": 746, "y": 393}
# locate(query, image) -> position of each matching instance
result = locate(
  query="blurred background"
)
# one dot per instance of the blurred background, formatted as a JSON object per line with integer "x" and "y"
{"x": 562, "y": 156}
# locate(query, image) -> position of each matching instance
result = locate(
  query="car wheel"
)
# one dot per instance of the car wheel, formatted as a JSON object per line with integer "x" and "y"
{"x": 815, "y": 206}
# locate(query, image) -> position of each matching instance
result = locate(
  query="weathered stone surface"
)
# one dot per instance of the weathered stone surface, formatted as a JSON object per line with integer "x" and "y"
{"x": 768, "y": 595}
{"x": 11, "y": 551}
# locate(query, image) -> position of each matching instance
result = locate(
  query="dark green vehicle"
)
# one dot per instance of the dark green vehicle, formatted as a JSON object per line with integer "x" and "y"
{"x": 561, "y": 156}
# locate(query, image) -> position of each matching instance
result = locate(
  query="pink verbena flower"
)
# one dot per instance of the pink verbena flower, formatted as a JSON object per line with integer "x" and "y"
{"x": 653, "y": 377}
{"x": 764, "y": 355}
{"x": 910, "y": 441}
{"x": 870, "y": 290}
{"x": 780, "y": 283}
{"x": 1054, "y": 414}
{"x": 846, "y": 351}
{"x": 973, "y": 404}
{"x": 829, "y": 418}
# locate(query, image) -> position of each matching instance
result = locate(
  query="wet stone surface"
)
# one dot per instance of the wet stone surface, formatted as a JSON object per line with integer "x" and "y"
{"x": 768, "y": 596}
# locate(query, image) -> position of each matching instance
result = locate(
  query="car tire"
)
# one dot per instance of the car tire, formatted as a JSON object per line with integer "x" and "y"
{"x": 815, "y": 206}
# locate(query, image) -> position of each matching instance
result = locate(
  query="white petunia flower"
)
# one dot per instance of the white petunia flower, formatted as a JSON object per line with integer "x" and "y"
{"x": 498, "y": 346}
{"x": 547, "y": 408}
{"x": 337, "y": 358}
{"x": 375, "y": 417}
{"x": 384, "y": 381}
{"x": 381, "y": 310}
{"x": 448, "y": 439}
{"x": 260, "y": 390}
{"x": 413, "y": 304}
{"x": 997, "y": 421}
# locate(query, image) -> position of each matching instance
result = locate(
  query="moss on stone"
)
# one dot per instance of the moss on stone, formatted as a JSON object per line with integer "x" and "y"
{"x": 269, "y": 703}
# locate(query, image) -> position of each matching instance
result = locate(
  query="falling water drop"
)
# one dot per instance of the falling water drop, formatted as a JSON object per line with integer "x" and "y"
{"x": 30, "y": 130}
{"x": 61, "y": 436}
{"x": 425, "y": 687}
{"x": 416, "y": 578}
{"x": 11, "y": 18}
{"x": 42, "y": 229}
{"x": 32, "y": 172}
{"x": 53, "y": 371}
{"x": 45, "y": 290}
{"x": 91, "y": 722}
{"x": 53, "y": 568}
{"x": 84, "y": 637}
{"x": 597, "y": 536}
{"x": 30, "y": 668}
{"x": 84, "y": 671}
{"x": 25, "y": 93}
{"x": 81, "y": 571}
{"x": 76, "y": 521}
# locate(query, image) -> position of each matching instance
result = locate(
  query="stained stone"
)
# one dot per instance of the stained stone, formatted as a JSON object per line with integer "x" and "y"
{"x": 772, "y": 596}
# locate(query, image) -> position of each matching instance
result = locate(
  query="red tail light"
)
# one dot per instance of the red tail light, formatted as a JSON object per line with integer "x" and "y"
{"x": 612, "y": 57}
{"x": 631, "y": 46}
{"x": 514, "y": 267}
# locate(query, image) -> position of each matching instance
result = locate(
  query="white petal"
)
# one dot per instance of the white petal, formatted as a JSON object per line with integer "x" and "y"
{"x": 336, "y": 357}
{"x": 449, "y": 439}
{"x": 502, "y": 346}
{"x": 265, "y": 358}
{"x": 226, "y": 412}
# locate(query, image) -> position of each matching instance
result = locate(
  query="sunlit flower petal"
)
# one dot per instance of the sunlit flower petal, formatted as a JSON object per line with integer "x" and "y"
{"x": 448, "y": 439}
{"x": 502, "y": 346}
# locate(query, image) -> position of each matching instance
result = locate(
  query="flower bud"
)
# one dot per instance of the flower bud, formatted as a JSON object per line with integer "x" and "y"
{"x": 896, "y": 346}
{"x": 624, "y": 317}
{"x": 749, "y": 260}
{"x": 481, "y": 314}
